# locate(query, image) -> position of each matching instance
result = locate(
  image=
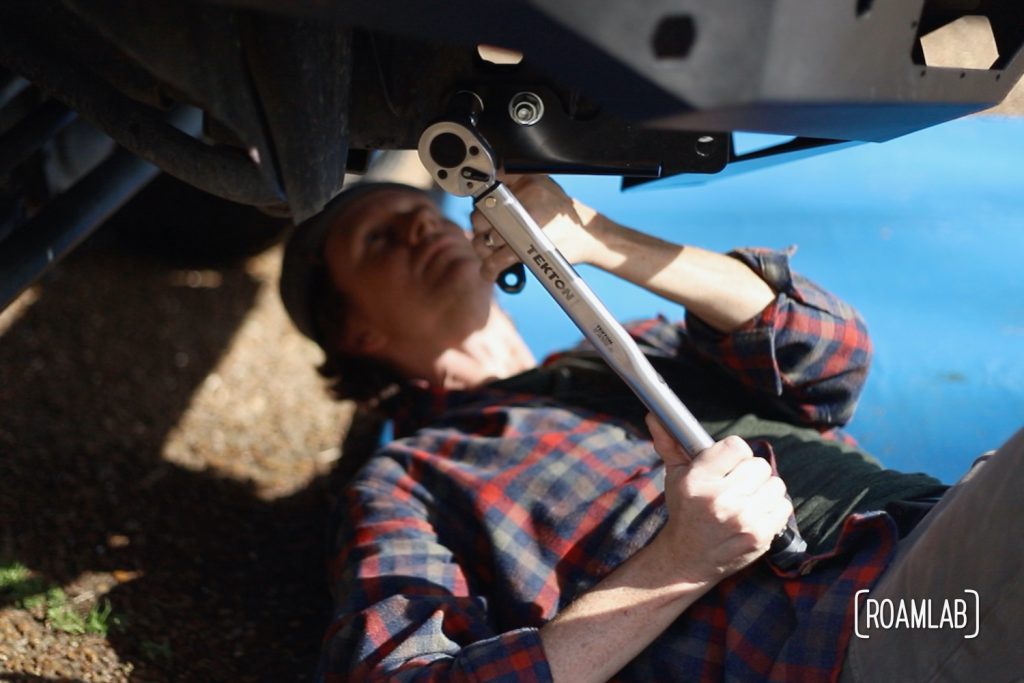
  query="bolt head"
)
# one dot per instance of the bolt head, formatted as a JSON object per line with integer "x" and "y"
{"x": 526, "y": 108}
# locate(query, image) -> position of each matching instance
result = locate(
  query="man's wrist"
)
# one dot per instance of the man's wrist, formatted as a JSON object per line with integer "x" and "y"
{"x": 600, "y": 252}
{"x": 681, "y": 571}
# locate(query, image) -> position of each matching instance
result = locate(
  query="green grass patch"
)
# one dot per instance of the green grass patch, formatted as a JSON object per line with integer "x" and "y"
{"x": 62, "y": 616}
{"x": 12, "y": 574}
{"x": 18, "y": 585}
{"x": 22, "y": 588}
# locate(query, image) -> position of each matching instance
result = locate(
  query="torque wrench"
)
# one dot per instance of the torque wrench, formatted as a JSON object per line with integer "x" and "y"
{"x": 461, "y": 161}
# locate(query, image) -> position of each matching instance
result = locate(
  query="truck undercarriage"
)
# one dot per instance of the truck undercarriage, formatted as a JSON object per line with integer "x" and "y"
{"x": 268, "y": 104}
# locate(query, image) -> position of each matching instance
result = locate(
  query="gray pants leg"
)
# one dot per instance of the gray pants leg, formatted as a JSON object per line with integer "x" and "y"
{"x": 972, "y": 539}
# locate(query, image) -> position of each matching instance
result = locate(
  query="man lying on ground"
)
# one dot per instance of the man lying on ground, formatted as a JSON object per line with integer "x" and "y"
{"x": 527, "y": 523}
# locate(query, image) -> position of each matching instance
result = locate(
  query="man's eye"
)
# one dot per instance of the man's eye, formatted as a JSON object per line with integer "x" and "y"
{"x": 381, "y": 235}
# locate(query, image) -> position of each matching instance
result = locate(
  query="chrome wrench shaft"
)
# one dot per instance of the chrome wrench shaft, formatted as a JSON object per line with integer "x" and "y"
{"x": 527, "y": 240}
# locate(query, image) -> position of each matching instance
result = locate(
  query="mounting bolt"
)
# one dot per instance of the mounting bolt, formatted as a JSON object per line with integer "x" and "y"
{"x": 526, "y": 108}
{"x": 705, "y": 146}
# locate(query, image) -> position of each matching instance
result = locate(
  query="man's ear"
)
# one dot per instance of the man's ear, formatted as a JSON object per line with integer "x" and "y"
{"x": 364, "y": 340}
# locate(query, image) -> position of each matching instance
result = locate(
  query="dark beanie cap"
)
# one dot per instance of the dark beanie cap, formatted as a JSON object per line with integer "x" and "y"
{"x": 304, "y": 250}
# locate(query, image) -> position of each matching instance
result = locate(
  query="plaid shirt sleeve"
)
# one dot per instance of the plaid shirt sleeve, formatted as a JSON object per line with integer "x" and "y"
{"x": 808, "y": 349}
{"x": 406, "y": 610}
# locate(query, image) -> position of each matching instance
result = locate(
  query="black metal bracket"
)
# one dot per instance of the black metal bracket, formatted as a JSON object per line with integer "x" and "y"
{"x": 538, "y": 132}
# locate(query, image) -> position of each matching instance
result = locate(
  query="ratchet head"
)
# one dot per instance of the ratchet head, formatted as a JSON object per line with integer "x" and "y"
{"x": 458, "y": 158}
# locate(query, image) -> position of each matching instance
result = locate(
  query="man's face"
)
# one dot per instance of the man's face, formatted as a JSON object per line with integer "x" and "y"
{"x": 406, "y": 271}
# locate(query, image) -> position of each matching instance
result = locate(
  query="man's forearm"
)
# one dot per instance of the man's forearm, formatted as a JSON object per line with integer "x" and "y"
{"x": 609, "y": 625}
{"x": 722, "y": 291}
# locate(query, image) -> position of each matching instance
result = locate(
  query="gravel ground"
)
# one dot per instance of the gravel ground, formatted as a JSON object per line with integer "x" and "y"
{"x": 165, "y": 450}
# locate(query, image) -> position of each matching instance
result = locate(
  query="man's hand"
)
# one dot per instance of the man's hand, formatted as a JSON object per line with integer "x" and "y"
{"x": 720, "y": 290}
{"x": 724, "y": 507}
{"x": 570, "y": 224}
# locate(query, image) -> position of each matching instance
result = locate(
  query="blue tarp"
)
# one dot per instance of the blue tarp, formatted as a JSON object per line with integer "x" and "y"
{"x": 923, "y": 234}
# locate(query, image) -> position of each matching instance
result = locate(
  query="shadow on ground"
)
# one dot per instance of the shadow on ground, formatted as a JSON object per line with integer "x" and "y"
{"x": 210, "y": 581}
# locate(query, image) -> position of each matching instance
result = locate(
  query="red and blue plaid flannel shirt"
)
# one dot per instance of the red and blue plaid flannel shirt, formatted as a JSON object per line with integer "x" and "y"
{"x": 492, "y": 511}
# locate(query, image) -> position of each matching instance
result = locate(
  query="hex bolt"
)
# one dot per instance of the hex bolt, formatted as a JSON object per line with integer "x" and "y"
{"x": 526, "y": 108}
{"x": 705, "y": 146}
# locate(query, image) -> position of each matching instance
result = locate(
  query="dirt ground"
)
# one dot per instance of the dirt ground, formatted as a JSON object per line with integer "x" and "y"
{"x": 165, "y": 448}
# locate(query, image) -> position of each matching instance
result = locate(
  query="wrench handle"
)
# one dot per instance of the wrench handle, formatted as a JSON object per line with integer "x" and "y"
{"x": 528, "y": 241}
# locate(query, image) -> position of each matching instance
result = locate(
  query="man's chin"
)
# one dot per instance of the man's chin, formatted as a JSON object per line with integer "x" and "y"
{"x": 462, "y": 283}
